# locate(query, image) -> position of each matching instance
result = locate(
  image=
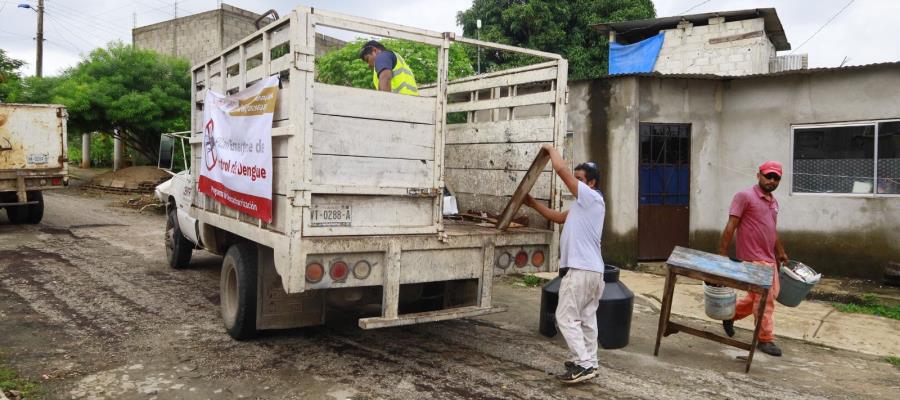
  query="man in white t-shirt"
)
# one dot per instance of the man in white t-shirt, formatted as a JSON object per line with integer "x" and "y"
{"x": 581, "y": 288}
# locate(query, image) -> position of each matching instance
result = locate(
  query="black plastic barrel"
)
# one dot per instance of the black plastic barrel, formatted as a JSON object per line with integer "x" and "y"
{"x": 613, "y": 313}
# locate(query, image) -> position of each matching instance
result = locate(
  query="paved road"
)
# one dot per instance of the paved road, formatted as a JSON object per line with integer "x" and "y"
{"x": 86, "y": 299}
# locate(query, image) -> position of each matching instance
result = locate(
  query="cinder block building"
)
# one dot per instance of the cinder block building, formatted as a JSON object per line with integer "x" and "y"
{"x": 200, "y": 36}
{"x": 727, "y": 43}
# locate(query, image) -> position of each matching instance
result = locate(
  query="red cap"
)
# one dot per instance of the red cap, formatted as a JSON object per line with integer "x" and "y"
{"x": 770, "y": 166}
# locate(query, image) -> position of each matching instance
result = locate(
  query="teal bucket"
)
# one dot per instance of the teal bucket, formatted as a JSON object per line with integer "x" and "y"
{"x": 793, "y": 291}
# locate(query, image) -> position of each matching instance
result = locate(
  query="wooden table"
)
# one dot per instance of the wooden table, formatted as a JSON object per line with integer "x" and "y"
{"x": 718, "y": 270}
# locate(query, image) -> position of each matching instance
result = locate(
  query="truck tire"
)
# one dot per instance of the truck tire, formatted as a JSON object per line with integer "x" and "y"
{"x": 17, "y": 214}
{"x": 237, "y": 291}
{"x": 178, "y": 247}
{"x": 35, "y": 211}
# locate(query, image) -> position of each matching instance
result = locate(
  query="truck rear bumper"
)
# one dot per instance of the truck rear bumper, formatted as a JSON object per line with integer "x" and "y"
{"x": 430, "y": 316}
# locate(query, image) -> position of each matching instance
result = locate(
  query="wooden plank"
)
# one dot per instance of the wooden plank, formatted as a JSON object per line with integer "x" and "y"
{"x": 539, "y": 75}
{"x": 372, "y": 138}
{"x": 280, "y": 205}
{"x": 280, "y": 35}
{"x": 516, "y": 70}
{"x": 495, "y": 205}
{"x": 283, "y": 102}
{"x": 498, "y": 46}
{"x": 528, "y": 181}
{"x": 430, "y": 316}
{"x": 253, "y": 48}
{"x": 525, "y": 130}
{"x": 675, "y": 328}
{"x": 377, "y": 28}
{"x": 509, "y": 156}
{"x": 280, "y": 64}
{"x": 494, "y": 182}
{"x": 665, "y": 308}
{"x": 733, "y": 38}
{"x": 352, "y": 171}
{"x": 715, "y": 264}
{"x": 382, "y": 211}
{"x": 372, "y": 104}
{"x": 503, "y": 102}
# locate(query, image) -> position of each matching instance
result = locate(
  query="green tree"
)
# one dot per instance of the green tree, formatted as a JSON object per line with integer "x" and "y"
{"x": 9, "y": 76}
{"x": 343, "y": 66}
{"x": 554, "y": 26}
{"x": 137, "y": 93}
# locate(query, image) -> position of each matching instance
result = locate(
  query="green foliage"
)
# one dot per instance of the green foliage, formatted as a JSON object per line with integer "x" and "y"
{"x": 893, "y": 360}
{"x": 10, "y": 380}
{"x": 138, "y": 92}
{"x": 10, "y": 80}
{"x": 532, "y": 280}
{"x": 343, "y": 66}
{"x": 554, "y": 26}
{"x": 869, "y": 304}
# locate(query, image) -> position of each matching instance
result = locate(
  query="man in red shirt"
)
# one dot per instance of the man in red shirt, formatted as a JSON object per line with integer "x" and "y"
{"x": 753, "y": 215}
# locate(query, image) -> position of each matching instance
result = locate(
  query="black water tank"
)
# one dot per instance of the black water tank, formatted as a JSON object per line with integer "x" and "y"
{"x": 613, "y": 313}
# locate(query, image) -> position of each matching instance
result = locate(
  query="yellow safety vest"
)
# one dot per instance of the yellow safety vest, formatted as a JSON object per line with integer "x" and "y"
{"x": 403, "y": 82}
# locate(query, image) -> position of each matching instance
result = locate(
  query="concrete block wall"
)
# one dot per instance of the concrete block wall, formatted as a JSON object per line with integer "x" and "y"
{"x": 687, "y": 49}
{"x": 200, "y": 36}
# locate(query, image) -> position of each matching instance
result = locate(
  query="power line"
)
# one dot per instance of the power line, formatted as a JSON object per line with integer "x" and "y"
{"x": 695, "y": 6}
{"x": 98, "y": 30}
{"x": 63, "y": 37}
{"x": 823, "y": 25}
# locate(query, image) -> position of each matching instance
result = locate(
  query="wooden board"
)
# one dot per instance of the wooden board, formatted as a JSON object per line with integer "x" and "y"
{"x": 494, "y": 181}
{"x": 372, "y": 104}
{"x": 508, "y": 156}
{"x": 715, "y": 264}
{"x": 525, "y": 130}
{"x": 534, "y": 172}
{"x": 368, "y": 171}
{"x": 372, "y": 138}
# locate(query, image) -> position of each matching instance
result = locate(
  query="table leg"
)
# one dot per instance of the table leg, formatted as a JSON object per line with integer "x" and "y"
{"x": 755, "y": 341}
{"x": 665, "y": 309}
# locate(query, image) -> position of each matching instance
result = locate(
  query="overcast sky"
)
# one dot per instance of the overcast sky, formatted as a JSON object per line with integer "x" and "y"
{"x": 864, "y": 33}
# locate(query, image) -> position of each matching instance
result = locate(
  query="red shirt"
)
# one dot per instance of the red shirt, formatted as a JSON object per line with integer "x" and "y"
{"x": 755, "y": 239}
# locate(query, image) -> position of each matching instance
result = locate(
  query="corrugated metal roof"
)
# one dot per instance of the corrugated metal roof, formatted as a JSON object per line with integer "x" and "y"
{"x": 635, "y": 31}
{"x": 782, "y": 73}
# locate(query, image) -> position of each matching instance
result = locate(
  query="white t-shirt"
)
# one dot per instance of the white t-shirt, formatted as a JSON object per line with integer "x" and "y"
{"x": 580, "y": 241}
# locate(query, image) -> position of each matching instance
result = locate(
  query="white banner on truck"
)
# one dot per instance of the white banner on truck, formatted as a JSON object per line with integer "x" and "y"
{"x": 236, "y": 165}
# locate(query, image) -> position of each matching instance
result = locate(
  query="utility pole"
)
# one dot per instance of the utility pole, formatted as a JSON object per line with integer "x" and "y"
{"x": 39, "y": 64}
{"x": 175, "y": 29}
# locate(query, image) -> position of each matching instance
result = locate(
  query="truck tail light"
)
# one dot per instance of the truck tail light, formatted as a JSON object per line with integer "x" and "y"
{"x": 314, "y": 272}
{"x": 503, "y": 260}
{"x": 43, "y": 182}
{"x": 537, "y": 259}
{"x": 56, "y": 181}
{"x": 362, "y": 269}
{"x": 521, "y": 258}
{"x": 338, "y": 271}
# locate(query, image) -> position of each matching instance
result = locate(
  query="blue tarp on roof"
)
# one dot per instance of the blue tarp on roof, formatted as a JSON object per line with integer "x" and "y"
{"x": 636, "y": 57}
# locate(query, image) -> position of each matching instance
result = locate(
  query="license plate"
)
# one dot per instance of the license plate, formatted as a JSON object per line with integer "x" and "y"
{"x": 37, "y": 158}
{"x": 330, "y": 215}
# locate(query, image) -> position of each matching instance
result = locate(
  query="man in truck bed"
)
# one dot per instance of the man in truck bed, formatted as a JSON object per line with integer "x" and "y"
{"x": 389, "y": 72}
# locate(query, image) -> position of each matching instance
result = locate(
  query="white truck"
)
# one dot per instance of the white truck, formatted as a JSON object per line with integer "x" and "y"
{"x": 32, "y": 158}
{"x": 359, "y": 182}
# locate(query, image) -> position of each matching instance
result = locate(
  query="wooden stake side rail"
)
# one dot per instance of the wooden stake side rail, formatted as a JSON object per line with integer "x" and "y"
{"x": 716, "y": 270}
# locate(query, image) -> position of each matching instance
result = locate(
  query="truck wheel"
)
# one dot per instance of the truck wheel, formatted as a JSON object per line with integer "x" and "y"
{"x": 178, "y": 247}
{"x": 35, "y": 211}
{"x": 17, "y": 214}
{"x": 238, "y": 291}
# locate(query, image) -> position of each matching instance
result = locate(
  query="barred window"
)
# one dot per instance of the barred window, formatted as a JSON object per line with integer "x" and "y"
{"x": 858, "y": 158}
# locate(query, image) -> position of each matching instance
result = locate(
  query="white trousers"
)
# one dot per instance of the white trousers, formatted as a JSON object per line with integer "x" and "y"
{"x": 576, "y": 314}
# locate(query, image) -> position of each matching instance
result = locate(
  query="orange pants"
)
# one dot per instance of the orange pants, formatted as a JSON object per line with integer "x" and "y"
{"x": 749, "y": 304}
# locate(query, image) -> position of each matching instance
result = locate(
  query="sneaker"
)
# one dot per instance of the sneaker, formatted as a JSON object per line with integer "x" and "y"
{"x": 769, "y": 348}
{"x": 578, "y": 374}
{"x": 569, "y": 365}
{"x": 728, "y": 325}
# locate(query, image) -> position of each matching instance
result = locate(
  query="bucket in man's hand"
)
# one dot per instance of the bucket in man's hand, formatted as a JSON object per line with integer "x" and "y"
{"x": 719, "y": 301}
{"x": 796, "y": 279}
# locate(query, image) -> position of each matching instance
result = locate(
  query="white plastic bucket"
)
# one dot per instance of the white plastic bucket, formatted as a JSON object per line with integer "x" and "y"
{"x": 719, "y": 302}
